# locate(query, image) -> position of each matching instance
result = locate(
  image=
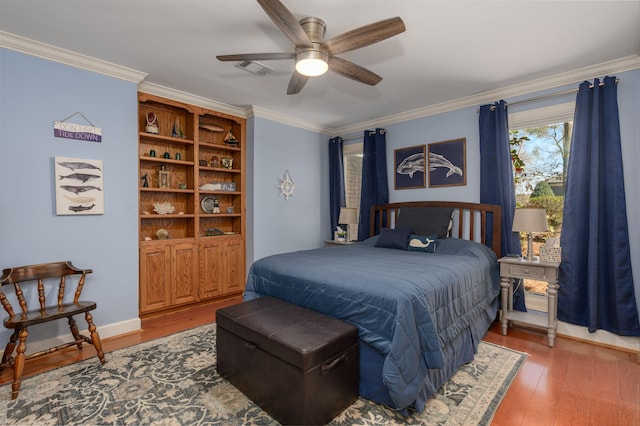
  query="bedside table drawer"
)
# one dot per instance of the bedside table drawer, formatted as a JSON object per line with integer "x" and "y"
{"x": 527, "y": 271}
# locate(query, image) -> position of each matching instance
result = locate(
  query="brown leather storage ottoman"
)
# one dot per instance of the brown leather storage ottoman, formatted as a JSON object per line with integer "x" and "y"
{"x": 299, "y": 366}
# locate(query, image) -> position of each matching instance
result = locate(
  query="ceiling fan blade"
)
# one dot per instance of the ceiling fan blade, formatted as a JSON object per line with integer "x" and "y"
{"x": 256, "y": 56}
{"x": 364, "y": 36}
{"x": 287, "y": 23}
{"x": 355, "y": 72}
{"x": 296, "y": 83}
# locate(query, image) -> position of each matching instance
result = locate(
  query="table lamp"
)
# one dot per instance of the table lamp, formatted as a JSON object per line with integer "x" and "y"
{"x": 348, "y": 216}
{"x": 530, "y": 220}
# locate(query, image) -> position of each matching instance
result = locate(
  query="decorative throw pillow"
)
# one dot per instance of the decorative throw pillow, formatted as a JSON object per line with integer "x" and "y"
{"x": 422, "y": 243}
{"x": 393, "y": 238}
{"x": 426, "y": 220}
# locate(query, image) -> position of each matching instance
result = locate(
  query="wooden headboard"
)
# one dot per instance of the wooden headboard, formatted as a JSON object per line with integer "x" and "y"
{"x": 465, "y": 218}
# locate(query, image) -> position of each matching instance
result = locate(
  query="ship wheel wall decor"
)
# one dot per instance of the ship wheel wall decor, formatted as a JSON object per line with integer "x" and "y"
{"x": 287, "y": 185}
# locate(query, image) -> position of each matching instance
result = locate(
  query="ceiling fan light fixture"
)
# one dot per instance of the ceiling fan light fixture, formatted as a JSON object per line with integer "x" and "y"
{"x": 312, "y": 62}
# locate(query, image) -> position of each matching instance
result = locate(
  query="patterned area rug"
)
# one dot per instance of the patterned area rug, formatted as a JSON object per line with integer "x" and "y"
{"x": 173, "y": 381}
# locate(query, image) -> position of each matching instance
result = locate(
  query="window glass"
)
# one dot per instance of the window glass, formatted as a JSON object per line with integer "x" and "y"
{"x": 540, "y": 153}
{"x": 352, "y": 158}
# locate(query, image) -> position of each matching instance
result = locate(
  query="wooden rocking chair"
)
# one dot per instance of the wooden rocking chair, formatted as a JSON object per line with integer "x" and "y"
{"x": 41, "y": 274}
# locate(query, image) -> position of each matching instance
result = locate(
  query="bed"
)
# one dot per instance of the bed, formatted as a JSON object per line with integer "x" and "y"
{"x": 422, "y": 291}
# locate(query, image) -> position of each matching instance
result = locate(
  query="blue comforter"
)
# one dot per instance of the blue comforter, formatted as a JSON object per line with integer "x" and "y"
{"x": 406, "y": 304}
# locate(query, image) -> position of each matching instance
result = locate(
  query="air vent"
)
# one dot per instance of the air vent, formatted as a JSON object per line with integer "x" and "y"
{"x": 255, "y": 68}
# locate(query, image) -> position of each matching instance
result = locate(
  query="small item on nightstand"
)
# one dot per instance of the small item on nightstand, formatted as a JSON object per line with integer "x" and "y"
{"x": 551, "y": 251}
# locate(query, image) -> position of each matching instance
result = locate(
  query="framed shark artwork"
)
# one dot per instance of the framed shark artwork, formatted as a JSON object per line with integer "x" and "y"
{"x": 79, "y": 185}
{"x": 409, "y": 167}
{"x": 447, "y": 163}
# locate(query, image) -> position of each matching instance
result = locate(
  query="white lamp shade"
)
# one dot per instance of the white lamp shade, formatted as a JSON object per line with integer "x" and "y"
{"x": 530, "y": 219}
{"x": 348, "y": 215}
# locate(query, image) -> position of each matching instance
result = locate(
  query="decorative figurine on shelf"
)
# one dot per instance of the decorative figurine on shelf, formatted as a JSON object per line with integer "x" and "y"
{"x": 216, "y": 206}
{"x": 145, "y": 181}
{"x": 152, "y": 123}
{"x": 227, "y": 163}
{"x": 215, "y": 161}
{"x": 230, "y": 140}
{"x": 163, "y": 177}
{"x": 176, "y": 131}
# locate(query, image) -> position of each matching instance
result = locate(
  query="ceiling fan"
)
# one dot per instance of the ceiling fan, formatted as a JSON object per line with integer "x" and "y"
{"x": 313, "y": 55}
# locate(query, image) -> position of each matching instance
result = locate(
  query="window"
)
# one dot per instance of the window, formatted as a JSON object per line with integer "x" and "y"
{"x": 540, "y": 141}
{"x": 352, "y": 159}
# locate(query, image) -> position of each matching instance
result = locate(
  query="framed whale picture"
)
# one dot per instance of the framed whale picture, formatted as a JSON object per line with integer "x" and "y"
{"x": 447, "y": 163}
{"x": 79, "y": 185}
{"x": 409, "y": 167}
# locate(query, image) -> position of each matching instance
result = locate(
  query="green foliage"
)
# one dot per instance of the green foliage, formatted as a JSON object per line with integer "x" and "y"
{"x": 553, "y": 206}
{"x": 515, "y": 147}
{"x": 542, "y": 189}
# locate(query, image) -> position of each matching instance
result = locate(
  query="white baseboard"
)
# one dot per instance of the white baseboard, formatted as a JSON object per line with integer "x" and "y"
{"x": 108, "y": 330}
{"x": 538, "y": 302}
{"x": 600, "y": 336}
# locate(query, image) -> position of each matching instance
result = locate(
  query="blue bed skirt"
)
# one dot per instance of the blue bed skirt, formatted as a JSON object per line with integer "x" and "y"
{"x": 457, "y": 353}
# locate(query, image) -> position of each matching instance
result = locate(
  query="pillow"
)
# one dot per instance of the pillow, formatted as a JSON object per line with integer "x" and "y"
{"x": 426, "y": 220}
{"x": 393, "y": 238}
{"x": 422, "y": 243}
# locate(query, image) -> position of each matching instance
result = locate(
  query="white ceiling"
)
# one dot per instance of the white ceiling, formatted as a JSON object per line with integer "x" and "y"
{"x": 450, "y": 50}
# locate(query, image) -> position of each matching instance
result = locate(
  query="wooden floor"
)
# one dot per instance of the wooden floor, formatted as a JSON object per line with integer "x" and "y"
{"x": 572, "y": 383}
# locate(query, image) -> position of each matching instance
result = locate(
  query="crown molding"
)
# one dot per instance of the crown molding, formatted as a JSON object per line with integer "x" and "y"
{"x": 257, "y": 111}
{"x": 577, "y": 76}
{"x": 190, "y": 98}
{"x": 67, "y": 57}
{"x": 46, "y": 51}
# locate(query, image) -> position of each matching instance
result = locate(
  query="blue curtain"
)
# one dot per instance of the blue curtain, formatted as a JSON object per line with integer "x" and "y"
{"x": 496, "y": 180}
{"x": 337, "y": 197}
{"x": 596, "y": 285}
{"x": 375, "y": 189}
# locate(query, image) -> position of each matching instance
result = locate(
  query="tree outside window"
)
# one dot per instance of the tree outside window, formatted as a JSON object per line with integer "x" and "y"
{"x": 540, "y": 156}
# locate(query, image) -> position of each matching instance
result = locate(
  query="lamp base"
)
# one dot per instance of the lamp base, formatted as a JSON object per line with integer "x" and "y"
{"x": 530, "y": 247}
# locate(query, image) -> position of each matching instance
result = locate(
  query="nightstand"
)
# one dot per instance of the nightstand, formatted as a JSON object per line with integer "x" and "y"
{"x": 517, "y": 267}
{"x": 339, "y": 243}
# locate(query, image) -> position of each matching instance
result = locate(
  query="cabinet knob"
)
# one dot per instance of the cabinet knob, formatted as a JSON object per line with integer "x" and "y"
{"x": 526, "y": 271}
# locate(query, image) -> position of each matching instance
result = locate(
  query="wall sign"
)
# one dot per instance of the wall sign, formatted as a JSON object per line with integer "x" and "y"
{"x": 64, "y": 129}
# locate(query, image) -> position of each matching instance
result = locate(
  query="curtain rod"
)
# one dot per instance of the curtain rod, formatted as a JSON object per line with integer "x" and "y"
{"x": 371, "y": 132}
{"x": 548, "y": 95}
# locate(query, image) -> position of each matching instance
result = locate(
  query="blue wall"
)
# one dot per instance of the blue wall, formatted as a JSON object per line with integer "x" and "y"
{"x": 34, "y": 93}
{"x": 462, "y": 123}
{"x": 301, "y": 222}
